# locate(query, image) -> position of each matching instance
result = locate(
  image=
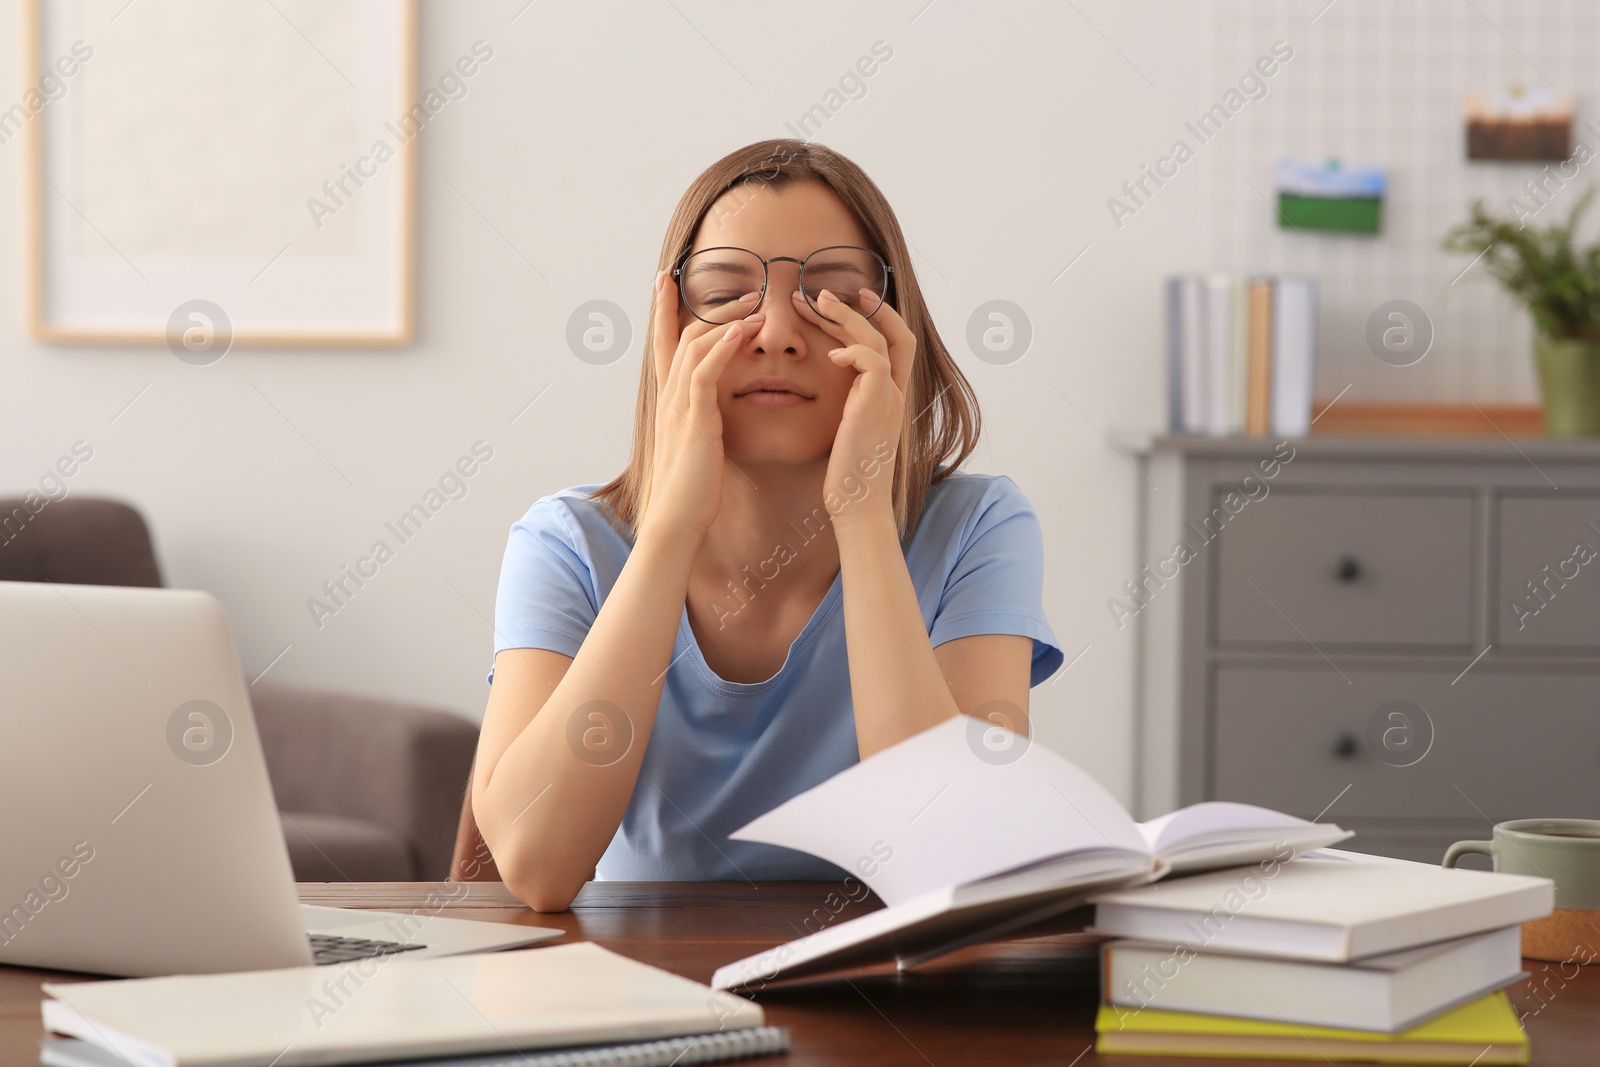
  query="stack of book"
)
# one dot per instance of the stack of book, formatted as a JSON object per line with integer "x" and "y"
{"x": 1333, "y": 956}
{"x": 1241, "y": 354}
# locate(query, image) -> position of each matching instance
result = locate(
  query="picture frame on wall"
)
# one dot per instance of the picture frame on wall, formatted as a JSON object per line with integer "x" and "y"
{"x": 199, "y": 167}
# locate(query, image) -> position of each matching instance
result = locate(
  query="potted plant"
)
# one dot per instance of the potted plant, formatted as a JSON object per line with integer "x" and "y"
{"x": 1560, "y": 285}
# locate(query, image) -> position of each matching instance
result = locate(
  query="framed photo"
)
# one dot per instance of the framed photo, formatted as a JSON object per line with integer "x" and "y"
{"x": 1519, "y": 125}
{"x": 203, "y": 167}
{"x": 1330, "y": 196}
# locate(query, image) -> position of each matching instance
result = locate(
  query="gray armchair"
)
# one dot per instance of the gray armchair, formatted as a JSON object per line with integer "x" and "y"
{"x": 369, "y": 790}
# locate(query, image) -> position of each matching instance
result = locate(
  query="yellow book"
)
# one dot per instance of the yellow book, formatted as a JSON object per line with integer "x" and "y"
{"x": 1482, "y": 1032}
{"x": 1258, "y": 360}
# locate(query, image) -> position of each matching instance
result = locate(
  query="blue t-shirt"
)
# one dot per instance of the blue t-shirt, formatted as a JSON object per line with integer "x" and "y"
{"x": 721, "y": 753}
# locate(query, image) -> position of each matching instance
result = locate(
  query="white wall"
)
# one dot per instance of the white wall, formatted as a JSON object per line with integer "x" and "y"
{"x": 998, "y": 131}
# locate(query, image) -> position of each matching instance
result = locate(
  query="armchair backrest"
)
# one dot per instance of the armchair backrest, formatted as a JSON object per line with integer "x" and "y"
{"x": 76, "y": 541}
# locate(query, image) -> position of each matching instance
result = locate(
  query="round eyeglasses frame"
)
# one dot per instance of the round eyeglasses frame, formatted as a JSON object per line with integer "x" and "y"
{"x": 766, "y": 277}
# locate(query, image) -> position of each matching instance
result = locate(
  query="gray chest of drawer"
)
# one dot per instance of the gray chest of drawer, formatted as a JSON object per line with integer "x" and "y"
{"x": 1399, "y": 635}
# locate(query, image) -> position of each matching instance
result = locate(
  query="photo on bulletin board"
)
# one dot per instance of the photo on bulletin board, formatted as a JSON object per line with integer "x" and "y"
{"x": 1330, "y": 196}
{"x": 253, "y": 160}
{"x": 1519, "y": 125}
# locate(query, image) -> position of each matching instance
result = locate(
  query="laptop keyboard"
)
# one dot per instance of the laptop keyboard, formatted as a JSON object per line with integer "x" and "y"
{"x": 330, "y": 948}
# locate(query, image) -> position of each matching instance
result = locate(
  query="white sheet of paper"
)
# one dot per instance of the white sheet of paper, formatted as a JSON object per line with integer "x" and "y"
{"x": 960, "y": 801}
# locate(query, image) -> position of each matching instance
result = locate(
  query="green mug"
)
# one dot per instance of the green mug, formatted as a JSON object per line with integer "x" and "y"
{"x": 1566, "y": 851}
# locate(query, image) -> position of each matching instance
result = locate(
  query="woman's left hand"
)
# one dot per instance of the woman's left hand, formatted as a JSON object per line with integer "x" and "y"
{"x": 860, "y": 475}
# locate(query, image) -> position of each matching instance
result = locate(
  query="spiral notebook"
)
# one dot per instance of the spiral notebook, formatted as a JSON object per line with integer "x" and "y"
{"x": 672, "y": 1052}
{"x": 485, "y": 1006}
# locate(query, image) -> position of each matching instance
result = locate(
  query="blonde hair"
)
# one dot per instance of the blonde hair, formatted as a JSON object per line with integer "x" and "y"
{"x": 943, "y": 420}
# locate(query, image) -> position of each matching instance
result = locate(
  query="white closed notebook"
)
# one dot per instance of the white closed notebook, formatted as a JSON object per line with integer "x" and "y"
{"x": 368, "y": 1011}
{"x": 1334, "y": 909}
{"x": 1385, "y": 994}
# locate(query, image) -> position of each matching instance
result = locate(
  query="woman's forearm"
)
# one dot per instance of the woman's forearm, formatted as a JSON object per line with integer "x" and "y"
{"x": 895, "y": 682}
{"x": 550, "y": 805}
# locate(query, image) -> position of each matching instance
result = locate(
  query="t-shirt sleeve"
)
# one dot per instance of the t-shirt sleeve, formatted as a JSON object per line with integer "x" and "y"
{"x": 996, "y": 585}
{"x": 546, "y": 597}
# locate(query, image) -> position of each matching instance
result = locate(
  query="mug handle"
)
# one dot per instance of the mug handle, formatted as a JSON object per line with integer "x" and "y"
{"x": 1462, "y": 848}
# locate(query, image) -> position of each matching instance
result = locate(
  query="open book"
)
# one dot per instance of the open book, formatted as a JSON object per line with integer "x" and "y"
{"x": 968, "y": 831}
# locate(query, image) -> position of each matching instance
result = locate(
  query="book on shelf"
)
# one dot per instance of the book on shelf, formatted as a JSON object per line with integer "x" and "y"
{"x": 935, "y": 826}
{"x": 1185, "y": 348}
{"x": 1218, "y": 346}
{"x": 1334, "y": 908}
{"x": 376, "y": 1010}
{"x": 1387, "y": 993}
{"x": 1238, "y": 389}
{"x": 1258, "y": 364}
{"x": 1482, "y": 1032}
{"x": 1241, "y": 354}
{"x": 1294, "y": 349}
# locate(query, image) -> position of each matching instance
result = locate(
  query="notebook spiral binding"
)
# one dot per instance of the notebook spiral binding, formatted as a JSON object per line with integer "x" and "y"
{"x": 674, "y": 1051}
{"x": 719, "y": 1047}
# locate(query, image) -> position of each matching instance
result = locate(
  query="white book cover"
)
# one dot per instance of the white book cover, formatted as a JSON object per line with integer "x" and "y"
{"x": 1239, "y": 361}
{"x": 1384, "y": 994}
{"x": 1294, "y": 353}
{"x": 1335, "y": 909}
{"x": 574, "y": 994}
{"x": 1172, "y": 312}
{"x": 1192, "y": 385}
{"x": 1218, "y": 353}
{"x": 966, "y": 830}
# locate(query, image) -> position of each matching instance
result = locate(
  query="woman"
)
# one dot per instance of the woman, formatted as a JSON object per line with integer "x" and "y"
{"x": 788, "y": 577}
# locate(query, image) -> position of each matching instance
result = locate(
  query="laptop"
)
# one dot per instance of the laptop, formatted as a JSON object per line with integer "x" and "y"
{"x": 139, "y": 834}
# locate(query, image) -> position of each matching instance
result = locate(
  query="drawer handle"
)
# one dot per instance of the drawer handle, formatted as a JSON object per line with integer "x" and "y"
{"x": 1348, "y": 570}
{"x": 1347, "y": 746}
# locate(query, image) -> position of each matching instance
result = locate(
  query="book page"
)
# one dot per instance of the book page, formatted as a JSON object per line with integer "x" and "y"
{"x": 1211, "y": 817}
{"x": 958, "y": 802}
{"x": 1220, "y": 833}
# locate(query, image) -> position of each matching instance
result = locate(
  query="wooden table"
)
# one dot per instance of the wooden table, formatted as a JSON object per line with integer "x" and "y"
{"x": 1015, "y": 1002}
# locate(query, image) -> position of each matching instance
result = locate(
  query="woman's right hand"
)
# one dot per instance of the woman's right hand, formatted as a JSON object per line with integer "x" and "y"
{"x": 687, "y": 468}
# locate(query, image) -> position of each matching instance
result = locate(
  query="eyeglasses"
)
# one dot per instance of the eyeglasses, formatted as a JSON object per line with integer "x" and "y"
{"x": 712, "y": 280}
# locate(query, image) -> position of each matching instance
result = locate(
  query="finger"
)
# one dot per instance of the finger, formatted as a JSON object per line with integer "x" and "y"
{"x": 890, "y": 337}
{"x": 710, "y": 367}
{"x": 834, "y": 329}
{"x": 848, "y": 324}
{"x": 902, "y": 342}
{"x": 698, "y": 329}
{"x": 864, "y": 358}
{"x": 671, "y": 335}
{"x": 697, "y": 339}
{"x": 664, "y": 327}
{"x": 705, "y": 347}
{"x": 885, "y": 319}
